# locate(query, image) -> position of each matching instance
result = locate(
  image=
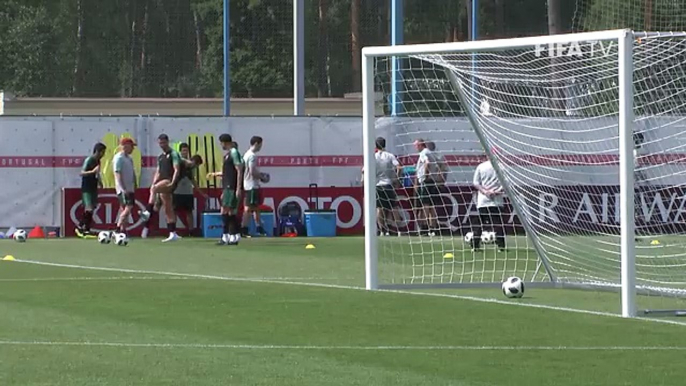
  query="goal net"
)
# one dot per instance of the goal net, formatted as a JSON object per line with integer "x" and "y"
{"x": 643, "y": 15}
{"x": 547, "y": 113}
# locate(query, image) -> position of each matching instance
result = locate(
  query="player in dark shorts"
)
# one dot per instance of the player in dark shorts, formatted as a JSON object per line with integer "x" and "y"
{"x": 386, "y": 198}
{"x": 183, "y": 199}
{"x": 90, "y": 182}
{"x": 124, "y": 182}
{"x": 164, "y": 183}
{"x": 182, "y": 202}
{"x": 252, "y": 179}
{"x": 232, "y": 184}
{"x": 425, "y": 185}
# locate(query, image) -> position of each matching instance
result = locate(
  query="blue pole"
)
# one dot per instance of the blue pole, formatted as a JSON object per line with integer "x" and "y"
{"x": 397, "y": 38}
{"x": 227, "y": 66}
{"x": 475, "y": 20}
{"x": 298, "y": 57}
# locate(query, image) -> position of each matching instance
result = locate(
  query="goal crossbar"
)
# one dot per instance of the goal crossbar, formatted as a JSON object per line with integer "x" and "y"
{"x": 490, "y": 45}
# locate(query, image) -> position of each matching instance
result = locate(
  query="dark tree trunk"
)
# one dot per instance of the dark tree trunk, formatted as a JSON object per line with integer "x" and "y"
{"x": 554, "y": 17}
{"x": 385, "y": 24}
{"x": 356, "y": 44}
{"x": 323, "y": 47}
{"x": 198, "y": 41}
{"x": 499, "y": 18}
{"x": 648, "y": 15}
{"x": 77, "y": 86}
{"x": 468, "y": 6}
{"x": 142, "y": 86}
{"x": 133, "y": 46}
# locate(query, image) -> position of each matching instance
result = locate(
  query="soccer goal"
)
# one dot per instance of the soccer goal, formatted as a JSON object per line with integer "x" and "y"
{"x": 586, "y": 133}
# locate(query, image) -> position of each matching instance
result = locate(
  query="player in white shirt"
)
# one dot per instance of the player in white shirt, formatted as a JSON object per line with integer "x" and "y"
{"x": 489, "y": 203}
{"x": 443, "y": 169}
{"x": 252, "y": 179}
{"x": 387, "y": 171}
{"x": 427, "y": 192}
{"x": 124, "y": 182}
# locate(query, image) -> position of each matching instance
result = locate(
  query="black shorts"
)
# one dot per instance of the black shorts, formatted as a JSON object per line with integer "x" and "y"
{"x": 429, "y": 194}
{"x": 386, "y": 197}
{"x": 183, "y": 202}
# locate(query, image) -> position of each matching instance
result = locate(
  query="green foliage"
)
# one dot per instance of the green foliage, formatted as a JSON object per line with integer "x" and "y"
{"x": 661, "y": 15}
{"x": 28, "y": 62}
{"x": 174, "y": 48}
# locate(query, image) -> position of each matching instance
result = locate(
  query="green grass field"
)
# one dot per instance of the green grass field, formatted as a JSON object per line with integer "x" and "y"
{"x": 271, "y": 312}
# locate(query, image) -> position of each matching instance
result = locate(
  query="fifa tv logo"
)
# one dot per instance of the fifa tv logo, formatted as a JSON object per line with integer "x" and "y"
{"x": 575, "y": 49}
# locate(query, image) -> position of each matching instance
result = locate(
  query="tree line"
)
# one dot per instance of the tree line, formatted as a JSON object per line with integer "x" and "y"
{"x": 174, "y": 48}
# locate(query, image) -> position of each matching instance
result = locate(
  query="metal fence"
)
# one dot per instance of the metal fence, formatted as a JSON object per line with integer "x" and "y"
{"x": 174, "y": 48}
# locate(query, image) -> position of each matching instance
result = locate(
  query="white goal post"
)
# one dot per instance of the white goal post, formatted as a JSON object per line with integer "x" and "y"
{"x": 557, "y": 116}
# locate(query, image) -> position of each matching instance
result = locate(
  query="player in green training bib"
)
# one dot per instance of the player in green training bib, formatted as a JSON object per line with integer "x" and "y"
{"x": 166, "y": 178}
{"x": 90, "y": 182}
{"x": 182, "y": 198}
{"x": 184, "y": 202}
{"x": 232, "y": 184}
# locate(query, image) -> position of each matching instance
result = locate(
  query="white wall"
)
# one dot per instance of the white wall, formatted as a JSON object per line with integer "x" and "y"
{"x": 31, "y": 185}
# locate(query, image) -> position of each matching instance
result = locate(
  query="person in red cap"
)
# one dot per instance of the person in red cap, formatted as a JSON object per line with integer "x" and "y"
{"x": 124, "y": 182}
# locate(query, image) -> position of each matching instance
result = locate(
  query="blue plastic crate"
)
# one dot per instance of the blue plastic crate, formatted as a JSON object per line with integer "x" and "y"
{"x": 212, "y": 226}
{"x": 321, "y": 223}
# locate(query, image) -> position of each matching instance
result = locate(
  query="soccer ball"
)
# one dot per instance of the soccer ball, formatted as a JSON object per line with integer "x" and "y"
{"x": 513, "y": 287}
{"x": 20, "y": 235}
{"x": 121, "y": 239}
{"x": 104, "y": 237}
{"x": 264, "y": 177}
{"x": 468, "y": 237}
{"x": 488, "y": 237}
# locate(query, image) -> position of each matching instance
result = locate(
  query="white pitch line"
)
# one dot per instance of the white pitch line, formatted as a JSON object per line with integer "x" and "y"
{"x": 192, "y": 275}
{"x": 113, "y": 278}
{"x": 161, "y": 277}
{"x": 348, "y": 287}
{"x": 335, "y": 348}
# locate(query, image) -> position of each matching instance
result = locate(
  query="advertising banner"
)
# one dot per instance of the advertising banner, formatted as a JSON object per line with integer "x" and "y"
{"x": 563, "y": 210}
{"x": 346, "y": 201}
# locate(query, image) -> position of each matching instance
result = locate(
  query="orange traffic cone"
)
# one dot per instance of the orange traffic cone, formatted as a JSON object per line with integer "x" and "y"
{"x": 37, "y": 233}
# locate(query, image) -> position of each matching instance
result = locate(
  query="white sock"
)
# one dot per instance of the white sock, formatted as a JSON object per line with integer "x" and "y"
{"x": 232, "y": 238}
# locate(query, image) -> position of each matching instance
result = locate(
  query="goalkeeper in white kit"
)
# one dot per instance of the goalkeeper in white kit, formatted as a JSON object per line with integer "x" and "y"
{"x": 490, "y": 202}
